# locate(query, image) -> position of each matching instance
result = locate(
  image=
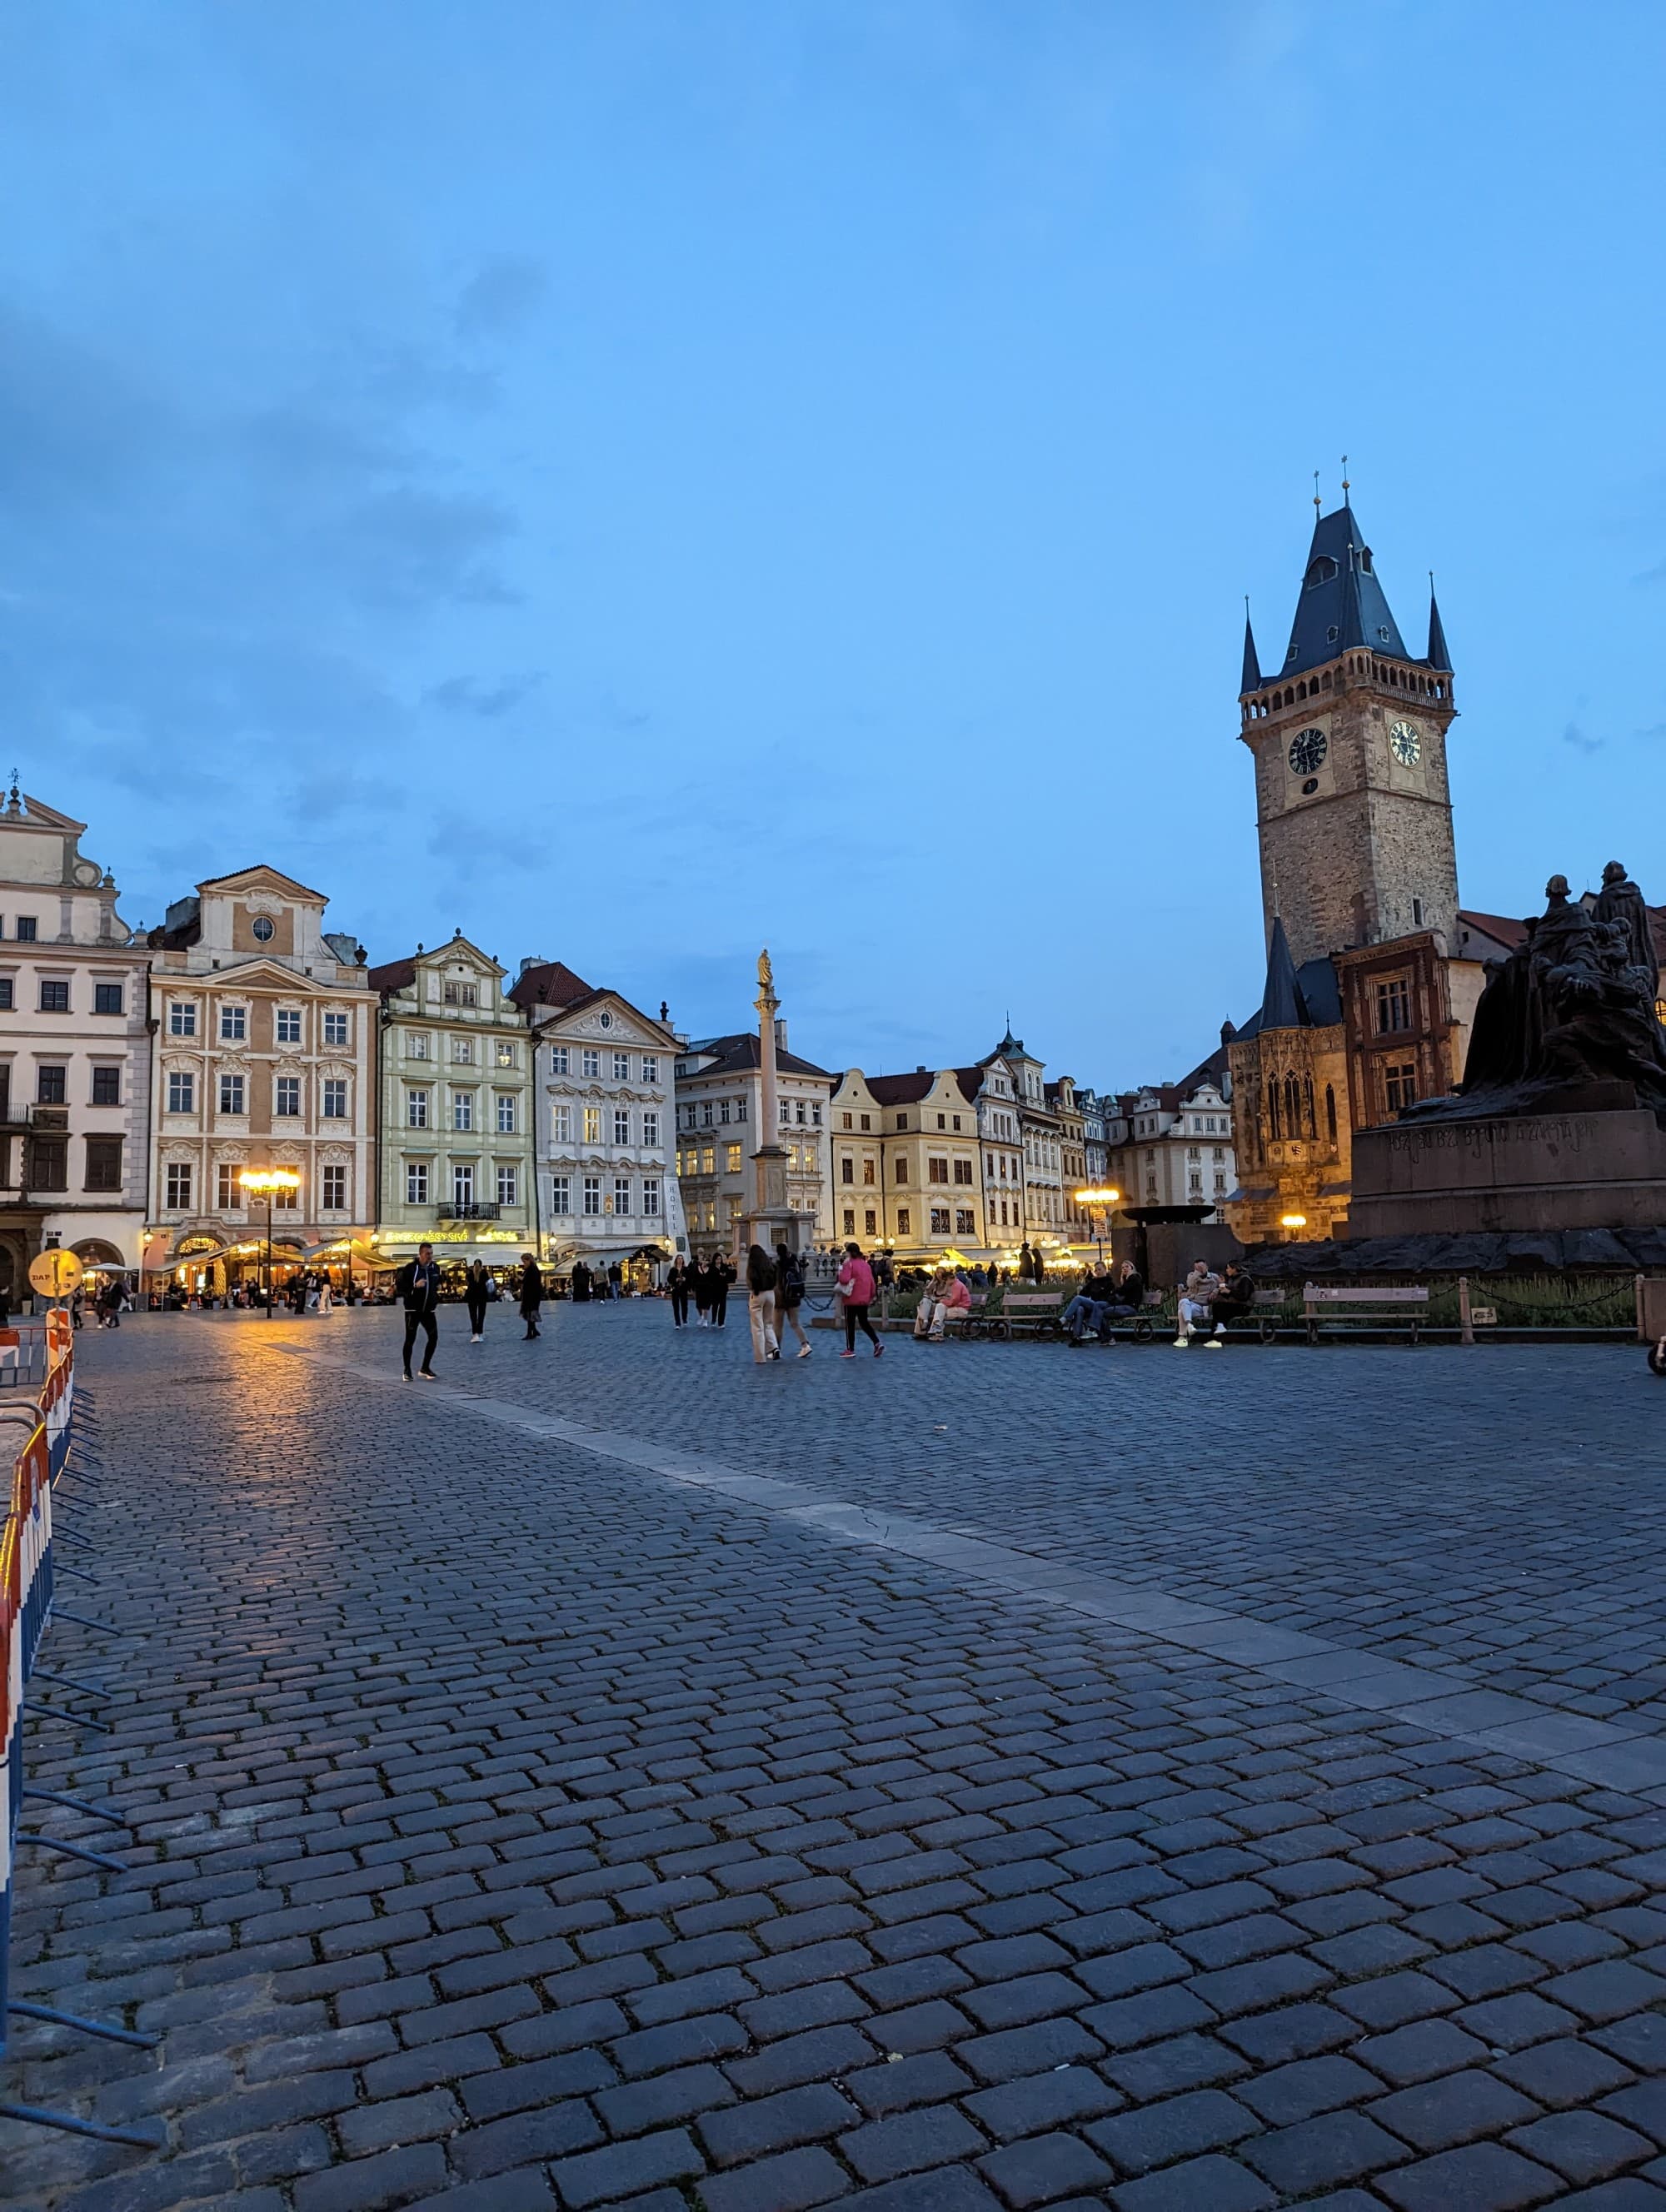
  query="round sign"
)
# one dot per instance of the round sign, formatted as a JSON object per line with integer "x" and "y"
{"x": 54, "y": 1274}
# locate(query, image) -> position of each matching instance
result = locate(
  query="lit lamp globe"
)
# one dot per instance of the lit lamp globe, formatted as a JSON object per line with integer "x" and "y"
{"x": 266, "y": 1183}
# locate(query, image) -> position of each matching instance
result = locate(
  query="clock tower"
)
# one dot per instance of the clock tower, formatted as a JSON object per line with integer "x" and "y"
{"x": 1349, "y": 738}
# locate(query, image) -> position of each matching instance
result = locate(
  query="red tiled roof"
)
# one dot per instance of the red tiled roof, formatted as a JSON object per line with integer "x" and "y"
{"x": 901, "y": 1090}
{"x": 551, "y": 984}
{"x": 392, "y": 975}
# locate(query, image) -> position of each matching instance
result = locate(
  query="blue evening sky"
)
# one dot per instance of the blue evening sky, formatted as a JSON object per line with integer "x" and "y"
{"x": 636, "y": 478}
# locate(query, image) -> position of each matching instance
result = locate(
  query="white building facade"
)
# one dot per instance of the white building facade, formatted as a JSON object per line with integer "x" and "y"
{"x": 603, "y": 1103}
{"x": 1171, "y": 1145}
{"x": 75, "y": 1053}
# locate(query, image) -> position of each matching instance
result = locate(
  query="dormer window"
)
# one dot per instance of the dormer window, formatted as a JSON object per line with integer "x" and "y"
{"x": 1382, "y": 632}
{"x": 1319, "y": 571}
{"x": 1364, "y": 560}
{"x": 1332, "y": 635}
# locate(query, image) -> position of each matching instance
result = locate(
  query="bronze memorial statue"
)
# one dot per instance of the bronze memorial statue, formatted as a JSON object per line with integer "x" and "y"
{"x": 1567, "y": 1021}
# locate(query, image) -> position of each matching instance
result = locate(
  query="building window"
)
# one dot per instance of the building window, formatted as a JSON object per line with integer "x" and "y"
{"x": 593, "y": 1125}
{"x": 847, "y": 1170}
{"x": 233, "y": 1025}
{"x": 417, "y": 1048}
{"x": 868, "y": 1175}
{"x": 904, "y": 1221}
{"x": 181, "y": 1092}
{"x": 335, "y": 1029}
{"x": 846, "y": 1121}
{"x": 26, "y": 928}
{"x": 462, "y": 1109}
{"x": 178, "y": 1185}
{"x": 621, "y": 1067}
{"x": 870, "y": 1221}
{"x": 650, "y": 1067}
{"x": 1394, "y": 1005}
{"x": 559, "y": 1058}
{"x": 722, "y": 1109}
{"x": 731, "y": 1159}
{"x": 228, "y": 1188}
{"x": 622, "y": 1125}
{"x": 231, "y": 1094}
{"x": 289, "y": 1201}
{"x": 335, "y": 1098}
{"x": 288, "y": 1026}
{"x": 48, "y": 1164}
{"x": 561, "y": 1196}
{"x": 1330, "y": 1112}
{"x": 901, "y": 1122}
{"x": 593, "y": 1195}
{"x": 462, "y": 1183}
{"x": 54, "y": 998}
{"x": 783, "y": 1112}
{"x": 459, "y": 995}
{"x": 622, "y": 1195}
{"x": 561, "y": 1123}
{"x": 650, "y": 1194}
{"x": 416, "y": 1183}
{"x": 865, "y": 1121}
{"x": 965, "y": 1222}
{"x": 104, "y": 1163}
{"x": 286, "y": 1095}
{"x": 650, "y": 1129}
{"x": 963, "y": 1171}
{"x": 708, "y": 1160}
{"x": 1399, "y": 1086}
{"x": 900, "y": 1172}
{"x": 417, "y": 1109}
{"x": 506, "y": 1053}
{"x": 505, "y": 1114}
{"x": 462, "y": 1051}
{"x": 509, "y": 1186}
{"x": 590, "y": 1063}
{"x": 107, "y": 1086}
{"x": 940, "y": 1221}
{"x": 937, "y": 1171}
{"x": 334, "y": 1200}
{"x": 850, "y": 1221}
{"x": 108, "y": 999}
{"x": 5, "y": 993}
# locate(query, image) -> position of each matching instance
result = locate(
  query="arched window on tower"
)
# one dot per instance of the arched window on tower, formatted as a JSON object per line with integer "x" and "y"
{"x": 1330, "y": 1111}
{"x": 1274, "y": 1130}
{"x": 1307, "y": 1101}
{"x": 1292, "y": 1104}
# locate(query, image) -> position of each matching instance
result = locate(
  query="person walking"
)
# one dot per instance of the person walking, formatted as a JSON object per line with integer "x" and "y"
{"x": 580, "y": 1283}
{"x": 724, "y": 1272}
{"x": 531, "y": 1295}
{"x": 418, "y": 1286}
{"x": 701, "y": 1283}
{"x": 476, "y": 1290}
{"x": 760, "y": 1275}
{"x": 326, "y": 1295}
{"x": 677, "y": 1284}
{"x": 789, "y": 1296}
{"x": 855, "y": 1290}
{"x": 615, "y": 1280}
{"x": 77, "y": 1299}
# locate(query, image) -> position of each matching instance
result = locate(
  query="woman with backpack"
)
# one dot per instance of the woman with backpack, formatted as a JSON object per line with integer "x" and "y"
{"x": 855, "y": 1290}
{"x": 760, "y": 1275}
{"x": 789, "y": 1296}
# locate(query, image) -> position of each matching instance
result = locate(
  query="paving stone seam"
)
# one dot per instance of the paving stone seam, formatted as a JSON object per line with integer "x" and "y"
{"x": 1609, "y": 1754}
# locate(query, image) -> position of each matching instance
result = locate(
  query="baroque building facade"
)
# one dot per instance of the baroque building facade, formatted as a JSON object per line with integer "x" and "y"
{"x": 602, "y": 1096}
{"x": 75, "y": 1053}
{"x": 264, "y": 1057}
{"x": 454, "y": 1093}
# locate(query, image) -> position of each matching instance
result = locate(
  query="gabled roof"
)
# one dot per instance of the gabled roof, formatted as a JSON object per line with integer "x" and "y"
{"x": 400, "y": 975}
{"x": 1341, "y": 603}
{"x": 598, "y": 997}
{"x": 551, "y": 983}
{"x": 738, "y": 1053}
{"x": 241, "y": 878}
{"x": 35, "y": 814}
{"x": 902, "y": 1090}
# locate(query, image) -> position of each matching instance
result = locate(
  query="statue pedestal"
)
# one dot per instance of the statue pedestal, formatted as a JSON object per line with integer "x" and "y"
{"x": 1510, "y": 1175}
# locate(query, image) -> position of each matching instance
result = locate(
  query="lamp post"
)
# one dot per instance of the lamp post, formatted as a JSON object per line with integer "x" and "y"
{"x": 266, "y": 1183}
{"x": 1096, "y": 1202}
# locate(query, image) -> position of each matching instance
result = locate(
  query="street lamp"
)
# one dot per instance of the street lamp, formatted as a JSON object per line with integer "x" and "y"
{"x": 266, "y": 1183}
{"x": 1097, "y": 1202}
{"x": 1292, "y": 1221}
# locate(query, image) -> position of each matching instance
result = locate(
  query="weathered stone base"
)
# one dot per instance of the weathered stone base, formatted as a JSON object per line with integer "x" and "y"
{"x": 1510, "y": 1176}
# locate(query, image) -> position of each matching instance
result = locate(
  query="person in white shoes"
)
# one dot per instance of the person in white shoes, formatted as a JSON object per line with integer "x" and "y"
{"x": 789, "y": 1296}
{"x": 1195, "y": 1293}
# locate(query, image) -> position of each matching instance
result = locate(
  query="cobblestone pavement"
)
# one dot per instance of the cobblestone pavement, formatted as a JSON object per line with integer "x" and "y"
{"x": 546, "y": 1794}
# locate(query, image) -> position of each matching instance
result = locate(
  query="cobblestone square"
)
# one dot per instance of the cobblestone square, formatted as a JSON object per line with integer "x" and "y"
{"x": 990, "y": 1777}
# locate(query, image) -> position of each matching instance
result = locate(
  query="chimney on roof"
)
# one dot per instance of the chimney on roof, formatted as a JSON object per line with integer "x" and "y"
{"x": 919, "y": 1068}
{"x": 532, "y": 960}
{"x": 780, "y": 1034}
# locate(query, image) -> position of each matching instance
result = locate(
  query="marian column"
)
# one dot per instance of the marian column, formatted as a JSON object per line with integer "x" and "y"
{"x": 771, "y": 1221}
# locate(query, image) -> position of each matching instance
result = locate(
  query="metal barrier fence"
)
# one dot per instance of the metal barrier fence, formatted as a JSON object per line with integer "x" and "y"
{"x": 27, "y": 1574}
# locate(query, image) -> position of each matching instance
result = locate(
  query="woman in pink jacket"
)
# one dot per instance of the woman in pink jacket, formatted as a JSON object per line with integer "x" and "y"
{"x": 855, "y": 1290}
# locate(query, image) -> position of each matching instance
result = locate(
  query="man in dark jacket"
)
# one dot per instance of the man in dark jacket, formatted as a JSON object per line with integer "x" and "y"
{"x": 418, "y": 1286}
{"x": 532, "y": 1294}
{"x": 1235, "y": 1298}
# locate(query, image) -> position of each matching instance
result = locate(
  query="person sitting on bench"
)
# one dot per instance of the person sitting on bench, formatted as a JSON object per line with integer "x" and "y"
{"x": 1091, "y": 1307}
{"x": 1235, "y": 1300}
{"x": 1197, "y": 1295}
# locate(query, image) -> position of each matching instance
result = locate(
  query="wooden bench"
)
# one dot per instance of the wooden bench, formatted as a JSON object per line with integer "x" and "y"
{"x": 967, "y": 1321}
{"x": 1386, "y": 1304}
{"x": 1037, "y": 1310}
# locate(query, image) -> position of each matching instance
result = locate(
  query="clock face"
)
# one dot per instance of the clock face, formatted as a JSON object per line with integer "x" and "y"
{"x": 1407, "y": 746}
{"x": 1308, "y": 749}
